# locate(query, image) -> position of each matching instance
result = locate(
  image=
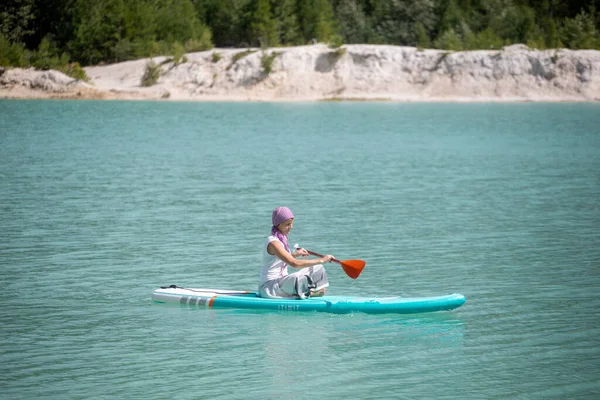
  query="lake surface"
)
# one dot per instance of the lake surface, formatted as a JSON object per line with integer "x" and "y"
{"x": 102, "y": 202}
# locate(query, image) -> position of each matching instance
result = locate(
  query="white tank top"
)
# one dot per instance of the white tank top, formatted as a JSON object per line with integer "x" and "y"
{"x": 272, "y": 267}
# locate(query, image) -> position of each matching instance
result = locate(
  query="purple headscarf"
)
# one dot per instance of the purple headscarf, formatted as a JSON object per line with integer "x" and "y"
{"x": 281, "y": 214}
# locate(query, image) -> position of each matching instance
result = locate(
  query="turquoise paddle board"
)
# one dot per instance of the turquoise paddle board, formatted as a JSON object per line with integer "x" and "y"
{"x": 213, "y": 298}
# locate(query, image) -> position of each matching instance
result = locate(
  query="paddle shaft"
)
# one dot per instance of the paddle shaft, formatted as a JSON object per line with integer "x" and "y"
{"x": 321, "y": 255}
{"x": 352, "y": 268}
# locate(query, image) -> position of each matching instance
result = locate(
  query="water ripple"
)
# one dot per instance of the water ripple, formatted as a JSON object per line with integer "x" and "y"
{"x": 101, "y": 202}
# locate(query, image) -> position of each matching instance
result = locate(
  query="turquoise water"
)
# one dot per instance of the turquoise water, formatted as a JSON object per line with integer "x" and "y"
{"x": 102, "y": 202}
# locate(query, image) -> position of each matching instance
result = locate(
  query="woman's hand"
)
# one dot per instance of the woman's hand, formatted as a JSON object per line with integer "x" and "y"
{"x": 276, "y": 248}
{"x": 326, "y": 259}
{"x": 300, "y": 252}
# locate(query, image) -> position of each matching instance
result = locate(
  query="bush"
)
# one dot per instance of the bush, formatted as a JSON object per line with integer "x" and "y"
{"x": 536, "y": 39}
{"x": 151, "y": 74}
{"x": 204, "y": 42}
{"x": 338, "y": 53}
{"x": 178, "y": 52}
{"x": 485, "y": 40}
{"x": 489, "y": 40}
{"x": 267, "y": 61}
{"x": 160, "y": 48}
{"x": 238, "y": 56}
{"x": 74, "y": 70}
{"x": 449, "y": 40}
{"x": 335, "y": 41}
{"x": 13, "y": 54}
{"x": 46, "y": 57}
{"x": 216, "y": 57}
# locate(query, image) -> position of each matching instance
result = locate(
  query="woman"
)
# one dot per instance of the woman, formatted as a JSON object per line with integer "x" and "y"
{"x": 275, "y": 282}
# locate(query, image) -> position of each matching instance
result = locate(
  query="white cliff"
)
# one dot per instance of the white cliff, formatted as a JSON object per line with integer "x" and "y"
{"x": 307, "y": 73}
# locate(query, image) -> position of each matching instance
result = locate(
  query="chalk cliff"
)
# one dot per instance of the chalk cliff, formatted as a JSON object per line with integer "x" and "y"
{"x": 308, "y": 73}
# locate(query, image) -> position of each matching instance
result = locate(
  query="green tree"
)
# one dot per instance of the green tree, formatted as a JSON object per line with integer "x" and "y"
{"x": 354, "y": 26}
{"x": 397, "y": 19}
{"x": 512, "y": 23}
{"x": 486, "y": 40}
{"x": 263, "y": 29}
{"x": 15, "y": 19}
{"x": 452, "y": 17}
{"x": 579, "y": 32}
{"x": 423, "y": 40}
{"x": 227, "y": 21}
{"x": 449, "y": 40}
{"x": 325, "y": 25}
{"x": 176, "y": 21}
{"x": 52, "y": 19}
{"x": 316, "y": 19}
{"x": 138, "y": 32}
{"x": 550, "y": 32}
{"x": 93, "y": 31}
{"x": 306, "y": 19}
{"x": 288, "y": 29}
{"x": 46, "y": 57}
{"x": 98, "y": 29}
{"x": 140, "y": 21}
{"x": 12, "y": 54}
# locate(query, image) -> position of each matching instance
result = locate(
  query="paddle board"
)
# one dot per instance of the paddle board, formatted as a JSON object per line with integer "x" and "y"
{"x": 214, "y": 298}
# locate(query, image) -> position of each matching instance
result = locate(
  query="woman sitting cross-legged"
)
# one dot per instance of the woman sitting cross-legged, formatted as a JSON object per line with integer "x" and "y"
{"x": 275, "y": 282}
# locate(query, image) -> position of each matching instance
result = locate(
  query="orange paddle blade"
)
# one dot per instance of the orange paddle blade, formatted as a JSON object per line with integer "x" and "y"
{"x": 353, "y": 268}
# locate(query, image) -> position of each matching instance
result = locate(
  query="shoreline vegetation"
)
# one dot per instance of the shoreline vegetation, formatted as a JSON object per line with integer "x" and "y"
{"x": 301, "y": 50}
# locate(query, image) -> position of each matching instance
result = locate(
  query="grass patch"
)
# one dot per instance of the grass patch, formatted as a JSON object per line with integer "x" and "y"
{"x": 216, "y": 57}
{"x": 238, "y": 56}
{"x": 338, "y": 54}
{"x": 74, "y": 70}
{"x": 151, "y": 74}
{"x": 267, "y": 61}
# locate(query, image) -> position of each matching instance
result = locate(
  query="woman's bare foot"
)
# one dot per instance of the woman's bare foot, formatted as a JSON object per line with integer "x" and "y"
{"x": 317, "y": 293}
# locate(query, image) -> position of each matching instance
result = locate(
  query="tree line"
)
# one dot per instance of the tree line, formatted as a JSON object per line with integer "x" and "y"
{"x": 65, "y": 33}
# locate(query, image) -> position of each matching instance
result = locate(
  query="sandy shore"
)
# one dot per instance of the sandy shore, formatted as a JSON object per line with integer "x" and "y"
{"x": 316, "y": 73}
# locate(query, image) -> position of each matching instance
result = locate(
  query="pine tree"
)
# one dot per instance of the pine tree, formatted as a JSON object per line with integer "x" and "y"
{"x": 325, "y": 26}
{"x": 288, "y": 30}
{"x": 263, "y": 28}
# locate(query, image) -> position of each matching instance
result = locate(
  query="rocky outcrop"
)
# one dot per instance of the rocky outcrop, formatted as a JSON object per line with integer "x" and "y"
{"x": 317, "y": 72}
{"x": 35, "y": 84}
{"x": 38, "y": 83}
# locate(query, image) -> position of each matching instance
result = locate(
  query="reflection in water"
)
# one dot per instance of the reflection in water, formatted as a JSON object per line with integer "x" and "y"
{"x": 307, "y": 351}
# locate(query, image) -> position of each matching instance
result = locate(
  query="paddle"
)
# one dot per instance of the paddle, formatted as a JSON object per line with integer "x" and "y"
{"x": 352, "y": 268}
